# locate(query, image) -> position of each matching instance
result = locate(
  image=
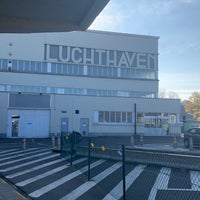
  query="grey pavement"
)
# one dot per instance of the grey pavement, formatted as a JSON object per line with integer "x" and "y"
{"x": 8, "y": 192}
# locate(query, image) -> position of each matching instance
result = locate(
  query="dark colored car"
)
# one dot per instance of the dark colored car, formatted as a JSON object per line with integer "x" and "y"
{"x": 192, "y": 135}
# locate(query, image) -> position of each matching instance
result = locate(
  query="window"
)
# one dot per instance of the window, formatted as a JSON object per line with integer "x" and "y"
{"x": 123, "y": 117}
{"x": 32, "y": 66}
{"x": 118, "y": 117}
{"x": 106, "y": 116}
{"x": 114, "y": 117}
{"x": 38, "y": 67}
{"x": 129, "y": 117}
{"x": 101, "y": 116}
{"x": 59, "y": 69}
{"x": 172, "y": 118}
{"x": 139, "y": 117}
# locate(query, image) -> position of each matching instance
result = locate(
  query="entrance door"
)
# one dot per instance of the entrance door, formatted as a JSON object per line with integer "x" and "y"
{"x": 28, "y": 123}
{"x": 84, "y": 126}
{"x": 64, "y": 125}
{"x": 15, "y": 125}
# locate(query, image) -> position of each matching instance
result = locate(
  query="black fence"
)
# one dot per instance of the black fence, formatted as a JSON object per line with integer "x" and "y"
{"x": 128, "y": 171}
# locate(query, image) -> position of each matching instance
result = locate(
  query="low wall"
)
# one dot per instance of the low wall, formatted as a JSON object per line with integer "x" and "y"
{"x": 167, "y": 159}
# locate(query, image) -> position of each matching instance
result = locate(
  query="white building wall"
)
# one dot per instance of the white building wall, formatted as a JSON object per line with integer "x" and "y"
{"x": 31, "y": 47}
{"x": 3, "y": 114}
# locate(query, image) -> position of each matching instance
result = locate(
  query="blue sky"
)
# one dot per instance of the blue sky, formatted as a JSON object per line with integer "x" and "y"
{"x": 176, "y": 22}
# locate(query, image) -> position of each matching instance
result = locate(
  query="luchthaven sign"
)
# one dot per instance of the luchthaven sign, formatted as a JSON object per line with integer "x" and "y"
{"x": 99, "y": 57}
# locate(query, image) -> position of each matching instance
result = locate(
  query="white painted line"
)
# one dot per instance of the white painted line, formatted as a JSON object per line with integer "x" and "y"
{"x": 161, "y": 182}
{"x": 38, "y": 177}
{"x": 117, "y": 191}
{"x": 7, "y": 151}
{"x": 88, "y": 185}
{"x": 195, "y": 180}
{"x": 79, "y": 161}
{"x": 37, "y": 167}
{"x": 22, "y": 154}
{"x": 43, "y": 165}
{"x": 50, "y": 172}
{"x": 79, "y": 191}
{"x": 21, "y": 159}
{"x": 179, "y": 189}
{"x": 63, "y": 180}
{"x": 16, "y": 151}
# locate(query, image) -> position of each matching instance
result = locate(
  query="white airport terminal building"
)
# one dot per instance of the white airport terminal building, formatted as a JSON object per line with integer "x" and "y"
{"x": 94, "y": 82}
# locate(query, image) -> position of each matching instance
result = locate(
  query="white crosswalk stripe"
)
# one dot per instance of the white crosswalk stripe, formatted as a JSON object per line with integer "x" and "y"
{"x": 47, "y": 169}
{"x": 88, "y": 185}
{"x": 25, "y": 153}
{"x": 25, "y": 158}
{"x": 24, "y": 164}
{"x": 116, "y": 192}
{"x": 48, "y": 173}
{"x": 161, "y": 182}
{"x": 195, "y": 180}
{"x": 37, "y": 167}
{"x": 36, "y": 178}
{"x": 7, "y": 151}
{"x": 64, "y": 179}
{"x": 42, "y": 165}
{"x": 16, "y": 151}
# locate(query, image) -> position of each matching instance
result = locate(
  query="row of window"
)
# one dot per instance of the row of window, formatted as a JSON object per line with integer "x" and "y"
{"x": 156, "y": 120}
{"x": 76, "y": 70}
{"x": 113, "y": 117}
{"x": 150, "y": 120}
{"x": 74, "y": 91}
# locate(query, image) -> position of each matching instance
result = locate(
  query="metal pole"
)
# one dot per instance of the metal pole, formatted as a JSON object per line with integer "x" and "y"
{"x": 123, "y": 172}
{"x": 53, "y": 142}
{"x": 135, "y": 127}
{"x": 58, "y": 142}
{"x": 72, "y": 147}
{"x": 24, "y": 143}
{"x": 61, "y": 144}
{"x": 89, "y": 161}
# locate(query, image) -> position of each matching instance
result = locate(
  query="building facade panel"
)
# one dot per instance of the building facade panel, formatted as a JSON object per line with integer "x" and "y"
{"x": 97, "y": 83}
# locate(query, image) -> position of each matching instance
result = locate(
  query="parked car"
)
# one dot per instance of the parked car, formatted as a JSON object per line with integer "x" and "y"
{"x": 194, "y": 134}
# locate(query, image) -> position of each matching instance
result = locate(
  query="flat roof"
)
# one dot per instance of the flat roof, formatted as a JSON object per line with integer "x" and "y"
{"x": 122, "y": 34}
{"x": 29, "y": 16}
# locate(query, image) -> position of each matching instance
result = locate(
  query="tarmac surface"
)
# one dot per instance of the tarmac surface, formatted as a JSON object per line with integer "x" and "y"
{"x": 9, "y": 191}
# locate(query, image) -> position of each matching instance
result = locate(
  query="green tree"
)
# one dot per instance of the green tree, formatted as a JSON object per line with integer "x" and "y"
{"x": 192, "y": 106}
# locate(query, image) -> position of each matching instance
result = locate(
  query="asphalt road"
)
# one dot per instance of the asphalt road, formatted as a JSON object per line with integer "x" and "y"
{"x": 42, "y": 174}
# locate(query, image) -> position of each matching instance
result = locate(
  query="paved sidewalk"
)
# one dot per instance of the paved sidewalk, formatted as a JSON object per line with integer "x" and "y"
{"x": 7, "y": 192}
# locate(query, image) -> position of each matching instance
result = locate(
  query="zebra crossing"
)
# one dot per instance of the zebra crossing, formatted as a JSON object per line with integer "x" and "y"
{"x": 42, "y": 174}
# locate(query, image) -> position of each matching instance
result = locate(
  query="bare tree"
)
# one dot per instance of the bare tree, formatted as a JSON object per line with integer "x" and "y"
{"x": 171, "y": 94}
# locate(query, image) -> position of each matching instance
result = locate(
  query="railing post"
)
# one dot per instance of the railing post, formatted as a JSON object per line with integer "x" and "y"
{"x": 24, "y": 143}
{"x": 89, "y": 161}
{"x": 58, "y": 142}
{"x": 72, "y": 148}
{"x": 141, "y": 139}
{"x": 175, "y": 142}
{"x": 123, "y": 172}
{"x": 53, "y": 142}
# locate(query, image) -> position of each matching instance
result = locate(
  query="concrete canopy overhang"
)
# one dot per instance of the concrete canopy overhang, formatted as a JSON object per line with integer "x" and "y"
{"x": 25, "y": 16}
